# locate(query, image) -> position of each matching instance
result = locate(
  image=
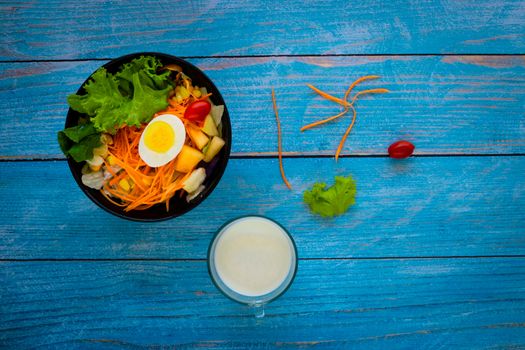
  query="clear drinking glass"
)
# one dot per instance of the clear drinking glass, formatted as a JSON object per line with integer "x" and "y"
{"x": 260, "y": 226}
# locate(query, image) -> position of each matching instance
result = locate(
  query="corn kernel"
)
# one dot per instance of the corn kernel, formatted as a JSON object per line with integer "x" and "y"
{"x": 197, "y": 93}
{"x": 184, "y": 92}
{"x": 111, "y": 160}
{"x": 178, "y": 97}
{"x": 124, "y": 184}
{"x": 106, "y": 139}
{"x": 95, "y": 167}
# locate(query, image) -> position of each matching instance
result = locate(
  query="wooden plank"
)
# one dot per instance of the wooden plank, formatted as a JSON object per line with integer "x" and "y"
{"x": 445, "y": 105}
{"x": 383, "y": 304}
{"x": 436, "y": 206}
{"x": 89, "y": 29}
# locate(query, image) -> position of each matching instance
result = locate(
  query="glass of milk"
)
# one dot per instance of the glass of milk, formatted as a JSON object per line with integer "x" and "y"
{"x": 252, "y": 260}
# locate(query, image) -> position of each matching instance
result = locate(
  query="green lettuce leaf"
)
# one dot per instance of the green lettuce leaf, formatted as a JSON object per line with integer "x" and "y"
{"x": 146, "y": 67}
{"x": 79, "y": 141}
{"x": 332, "y": 201}
{"x": 84, "y": 149}
{"x": 78, "y": 132}
{"x": 129, "y": 97}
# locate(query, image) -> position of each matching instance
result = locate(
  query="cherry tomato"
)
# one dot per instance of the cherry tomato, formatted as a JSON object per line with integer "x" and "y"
{"x": 401, "y": 149}
{"x": 197, "y": 111}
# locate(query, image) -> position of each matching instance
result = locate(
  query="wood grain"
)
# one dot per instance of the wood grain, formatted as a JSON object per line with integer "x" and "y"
{"x": 444, "y": 105}
{"x": 437, "y": 206}
{"x": 59, "y": 29}
{"x": 383, "y": 304}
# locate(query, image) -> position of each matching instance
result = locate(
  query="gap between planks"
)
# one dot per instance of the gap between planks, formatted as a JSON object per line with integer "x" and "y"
{"x": 437, "y": 257}
{"x": 277, "y": 56}
{"x": 270, "y": 155}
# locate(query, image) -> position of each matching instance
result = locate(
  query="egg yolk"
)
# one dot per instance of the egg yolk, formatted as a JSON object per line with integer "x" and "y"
{"x": 159, "y": 137}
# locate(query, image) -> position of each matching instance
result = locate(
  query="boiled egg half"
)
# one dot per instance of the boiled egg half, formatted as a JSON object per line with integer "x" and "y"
{"x": 162, "y": 140}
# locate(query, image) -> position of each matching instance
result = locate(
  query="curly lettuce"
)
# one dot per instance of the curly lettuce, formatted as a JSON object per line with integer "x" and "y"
{"x": 130, "y": 97}
{"x": 332, "y": 201}
{"x": 79, "y": 141}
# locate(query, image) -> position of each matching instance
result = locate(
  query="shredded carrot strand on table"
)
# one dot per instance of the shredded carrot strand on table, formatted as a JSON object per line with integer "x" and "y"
{"x": 328, "y": 96}
{"x": 322, "y": 121}
{"x": 347, "y": 105}
{"x": 279, "y": 143}
{"x": 343, "y": 139}
{"x": 353, "y": 85}
{"x": 371, "y": 91}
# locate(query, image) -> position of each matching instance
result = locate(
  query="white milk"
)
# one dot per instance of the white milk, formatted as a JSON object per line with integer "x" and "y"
{"x": 253, "y": 256}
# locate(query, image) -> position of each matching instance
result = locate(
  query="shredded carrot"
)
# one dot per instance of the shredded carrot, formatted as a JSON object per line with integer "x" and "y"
{"x": 371, "y": 91}
{"x": 343, "y": 139}
{"x": 348, "y": 105}
{"x": 279, "y": 143}
{"x": 328, "y": 96}
{"x": 353, "y": 85}
{"x": 147, "y": 186}
{"x": 319, "y": 122}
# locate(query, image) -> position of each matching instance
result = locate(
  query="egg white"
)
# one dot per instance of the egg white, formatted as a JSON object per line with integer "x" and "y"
{"x": 156, "y": 159}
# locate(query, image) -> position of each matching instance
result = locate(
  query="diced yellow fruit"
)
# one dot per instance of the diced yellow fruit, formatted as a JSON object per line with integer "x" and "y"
{"x": 209, "y": 126}
{"x": 214, "y": 148}
{"x": 187, "y": 159}
{"x": 178, "y": 97}
{"x": 197, "y": 93}
{"x": 198, "y": 138}
{"x": 184, "y": 92}
{"x": 124, "y": 184}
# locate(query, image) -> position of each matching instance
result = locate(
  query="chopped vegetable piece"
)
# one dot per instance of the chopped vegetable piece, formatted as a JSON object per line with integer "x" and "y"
{"x": 332, "y": 201}
{"x": 216, "y": 113}
{"x": 196, "y": 179}
{"x": 214, "y": 147}
{"x": 187, "y": 159}
{"x": 93, "y": 180}
{"x": 209, "y": 126}
{"x": 196, "y": 136}
{"x": 191, "y": 196}
{"x": 124, "y": 184}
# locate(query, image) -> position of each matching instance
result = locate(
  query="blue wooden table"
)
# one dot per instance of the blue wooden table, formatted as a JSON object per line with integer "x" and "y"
{"x": 431, "y": 256}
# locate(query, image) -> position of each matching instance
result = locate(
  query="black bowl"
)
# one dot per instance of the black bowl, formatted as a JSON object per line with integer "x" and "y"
{"x": 214, "y": 170}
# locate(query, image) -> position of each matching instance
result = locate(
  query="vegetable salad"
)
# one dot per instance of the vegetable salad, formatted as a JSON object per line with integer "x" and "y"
{"x": 146, "y": 134}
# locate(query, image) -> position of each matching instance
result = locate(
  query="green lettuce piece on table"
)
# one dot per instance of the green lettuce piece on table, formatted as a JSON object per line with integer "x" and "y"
{"x": 332, "y": 201}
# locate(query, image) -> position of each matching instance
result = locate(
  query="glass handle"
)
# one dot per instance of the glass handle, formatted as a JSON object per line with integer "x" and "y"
{"x": 258, "y": 310}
